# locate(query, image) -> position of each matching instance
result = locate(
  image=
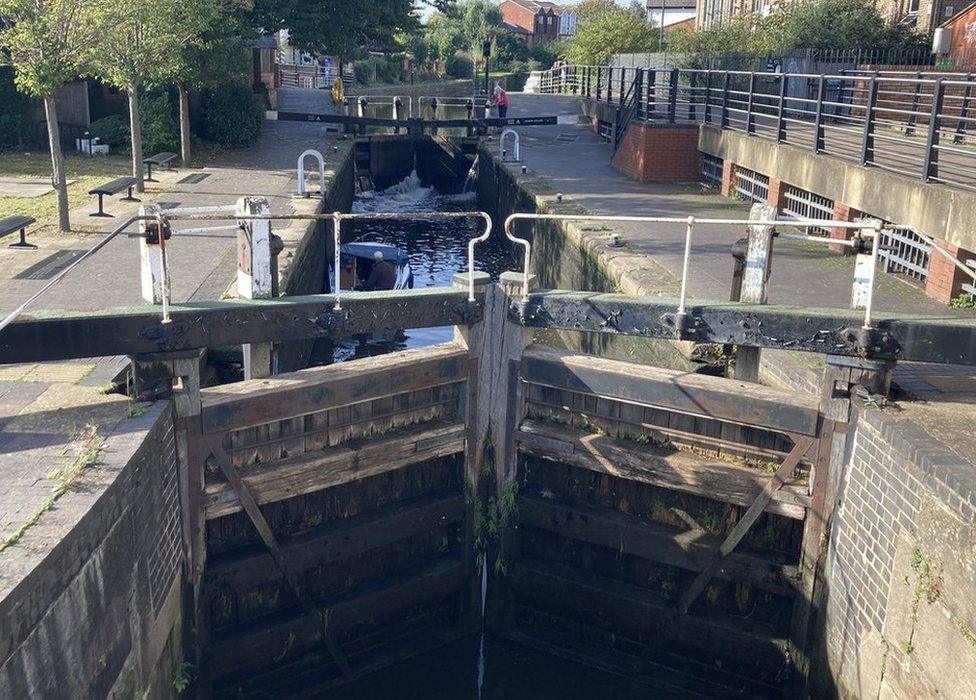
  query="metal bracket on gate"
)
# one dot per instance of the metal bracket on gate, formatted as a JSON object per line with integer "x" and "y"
{"x": 168, "y": 336}
{"x": 151, "y": 230}
{"x": 331, "y": 322}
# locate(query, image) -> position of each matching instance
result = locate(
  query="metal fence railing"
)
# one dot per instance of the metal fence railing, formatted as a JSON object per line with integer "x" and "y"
{"x": 920, "y": 124}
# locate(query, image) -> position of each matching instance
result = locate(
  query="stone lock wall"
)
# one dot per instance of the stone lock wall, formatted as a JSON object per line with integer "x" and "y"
{"x": 901, "y": 612}
{"x": 98, "y": 614}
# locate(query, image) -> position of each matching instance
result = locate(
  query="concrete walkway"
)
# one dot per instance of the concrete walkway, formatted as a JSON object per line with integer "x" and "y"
{"x": 46, "y": 407}
{"x": 577, "y": 163}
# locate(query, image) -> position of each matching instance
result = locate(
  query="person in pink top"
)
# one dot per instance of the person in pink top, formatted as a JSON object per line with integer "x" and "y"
{"x": 500, "y": 100}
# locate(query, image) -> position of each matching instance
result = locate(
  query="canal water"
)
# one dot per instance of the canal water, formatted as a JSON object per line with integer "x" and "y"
{"x": 437, "y": 250}
{"x": 503, "y": 669}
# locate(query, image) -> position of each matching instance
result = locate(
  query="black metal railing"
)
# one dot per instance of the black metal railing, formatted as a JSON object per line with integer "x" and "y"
{"x": 918, "y": 124}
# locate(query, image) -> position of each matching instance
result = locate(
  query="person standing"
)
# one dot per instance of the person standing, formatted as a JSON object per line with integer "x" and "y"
{"x": 500, "y": 101}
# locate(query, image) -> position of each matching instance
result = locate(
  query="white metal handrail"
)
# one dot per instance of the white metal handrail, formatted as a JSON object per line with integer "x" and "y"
{"x": 690, "y": 222}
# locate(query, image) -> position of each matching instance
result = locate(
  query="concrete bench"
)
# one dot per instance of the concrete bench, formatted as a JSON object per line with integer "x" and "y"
{"x": 17, "y": 223}
{"x": 160, "y": 159}
{"x": 113, "y": 187}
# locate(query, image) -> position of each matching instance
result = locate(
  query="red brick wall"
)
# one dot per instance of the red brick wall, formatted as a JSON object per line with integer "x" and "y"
{"x": 728, "y": 178}
{"x": 659, "y": 153}
{"x": 945, "y": 280}
{"x": 842, "y": 212}
{"x": 776, "y": 194}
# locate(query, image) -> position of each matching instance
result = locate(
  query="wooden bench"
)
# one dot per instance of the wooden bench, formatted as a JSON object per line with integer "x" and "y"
{"x": 17, "y": 223}
{"x": 114, "y": 187}
{"x": 160, "y": 159}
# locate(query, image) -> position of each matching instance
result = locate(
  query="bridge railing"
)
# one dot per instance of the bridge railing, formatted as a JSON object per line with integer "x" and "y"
{"x": 916, "y": 124}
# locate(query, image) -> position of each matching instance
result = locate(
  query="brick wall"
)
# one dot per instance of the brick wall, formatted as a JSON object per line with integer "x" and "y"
{"x": 945, "y": 279}
{"x": 92, "y": 614}
{"x": 907, "y": 506}
{"x": 659, "y": 153}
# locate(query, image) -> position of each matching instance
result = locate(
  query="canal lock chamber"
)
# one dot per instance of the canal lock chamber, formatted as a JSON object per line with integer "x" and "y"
{"x": 411, "y": 563}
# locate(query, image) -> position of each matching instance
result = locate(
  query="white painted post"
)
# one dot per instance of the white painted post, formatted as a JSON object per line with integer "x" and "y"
{"x": 755, "y": 283}
{"x": 301, "y": 172}
{"x": 150, "y": 259}
{"x": 864, "y": 268}
{"x": 254, "y": 268}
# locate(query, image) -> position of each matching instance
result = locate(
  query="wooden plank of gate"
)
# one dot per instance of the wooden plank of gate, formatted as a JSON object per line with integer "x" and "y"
{"x": 670, "y": 469}
{"x": 358, "y": 459}
{"x": 258, "y": 401}
{"x": 246, "y": 499}
{"x": 715, "y": 397}
{"x": 746, "y": 521}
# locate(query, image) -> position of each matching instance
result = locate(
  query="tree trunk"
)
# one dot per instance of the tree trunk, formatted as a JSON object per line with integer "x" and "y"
{"x": 135, "y": 125}
{"x": 184, "y": 126}
{"x": 57, "y": 162}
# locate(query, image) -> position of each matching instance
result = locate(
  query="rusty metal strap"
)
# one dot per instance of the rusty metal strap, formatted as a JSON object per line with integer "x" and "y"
{"x": 748, "y": 519}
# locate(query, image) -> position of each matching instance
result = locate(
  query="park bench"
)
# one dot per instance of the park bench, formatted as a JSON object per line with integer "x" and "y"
{"x": 114, "y": 187}
{"x": 160, "y": 159}
{"x": 17, "y": 223}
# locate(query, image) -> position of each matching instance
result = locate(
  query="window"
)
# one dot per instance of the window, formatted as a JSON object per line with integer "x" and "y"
{"x": 913, "y": 7}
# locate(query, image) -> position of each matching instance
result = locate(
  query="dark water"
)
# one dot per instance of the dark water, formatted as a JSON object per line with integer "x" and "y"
{"x": 512, "y": 672}
{"x": 437, "y": 250}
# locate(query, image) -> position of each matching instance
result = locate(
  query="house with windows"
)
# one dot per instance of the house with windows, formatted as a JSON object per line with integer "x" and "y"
{"x": 672, "y": 14}
{"x": 537, "y": 21}
{"x": 921, "y": 15}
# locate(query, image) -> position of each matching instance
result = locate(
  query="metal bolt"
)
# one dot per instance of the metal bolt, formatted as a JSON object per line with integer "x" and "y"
{"x": 559, "y": 196}
{"x": 615, "y": 239}
{"x": 524, "y": 170}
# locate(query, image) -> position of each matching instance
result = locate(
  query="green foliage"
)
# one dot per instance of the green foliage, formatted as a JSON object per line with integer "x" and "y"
{"x": 379, "y": 69}
{"x": 231, "y": 116}
{"x": 336, "y": 27}
{"x": 963, "y": 301}
{"x": 183, "y": 676}
{"x": 160, "y": 126}
{"x": 822, "y": 24}
{"x": 509, "y": 49}
{"x": 16, "y": 130}
{"x": 113, "y": 131}
{"x": 460, "y": 65}
{"x": 608, "y": 30}
{"x": 50, "y": 43}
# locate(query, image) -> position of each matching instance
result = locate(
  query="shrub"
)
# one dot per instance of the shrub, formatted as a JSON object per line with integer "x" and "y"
{"x": 112, "y": 131}
{"x": 232, "y": 116}
{"x": 16, "y": 130}
{"x": 460, "y": 65}
{"x": 160, "y": 125}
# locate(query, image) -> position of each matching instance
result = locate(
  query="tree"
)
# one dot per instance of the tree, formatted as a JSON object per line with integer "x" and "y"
{"x": 50, "y": 43}
{"x": 213, "y": 53}
{"x": 813, "y": 24}
{"x": 608, "y": 30}
{"x": 138, "y": 51}
{"x": 336, "y": 26}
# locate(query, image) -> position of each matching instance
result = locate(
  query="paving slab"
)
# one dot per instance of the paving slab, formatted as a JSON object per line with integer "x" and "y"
{"x": 27, "y": 188}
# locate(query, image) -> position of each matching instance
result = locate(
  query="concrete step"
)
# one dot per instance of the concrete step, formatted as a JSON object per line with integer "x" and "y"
{"x": 306, "y": 101}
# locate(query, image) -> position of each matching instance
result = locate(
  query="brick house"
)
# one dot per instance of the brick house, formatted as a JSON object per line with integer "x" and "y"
{"x": 538, "y": 22}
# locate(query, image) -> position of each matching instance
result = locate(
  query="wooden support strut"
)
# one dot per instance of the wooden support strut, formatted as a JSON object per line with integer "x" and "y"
{"x": 250, "y": 506}
{"x": 748, "y": 519}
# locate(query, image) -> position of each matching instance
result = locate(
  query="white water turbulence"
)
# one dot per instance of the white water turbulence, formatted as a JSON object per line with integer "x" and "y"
{"x": 472, "y": 176}
{"x": 481, "y": 648}
{"x": 407, "y": 195}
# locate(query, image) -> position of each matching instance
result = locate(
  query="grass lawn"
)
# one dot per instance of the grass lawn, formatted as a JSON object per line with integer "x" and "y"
{"x": 86, "y": 171}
